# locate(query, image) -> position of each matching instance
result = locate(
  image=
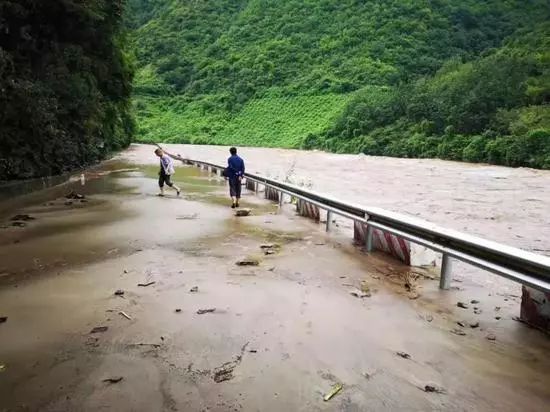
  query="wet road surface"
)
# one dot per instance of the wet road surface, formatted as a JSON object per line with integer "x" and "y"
{"x": 281, "y": 334}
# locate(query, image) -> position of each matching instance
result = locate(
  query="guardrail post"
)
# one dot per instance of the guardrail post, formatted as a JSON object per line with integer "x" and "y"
{"x": 281, "y": 198}
{"x": 446, "y": 268}
{"x": 329, "y": 220}
{"x": 368, "y": 238}
{"x": 256, "y": 187}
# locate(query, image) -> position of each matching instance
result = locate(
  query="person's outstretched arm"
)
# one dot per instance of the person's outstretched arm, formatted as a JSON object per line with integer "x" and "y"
{"x": 175, "y": 157}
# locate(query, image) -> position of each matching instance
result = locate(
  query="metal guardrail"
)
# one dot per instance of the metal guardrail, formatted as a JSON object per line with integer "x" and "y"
{"x": 524, "y": 267}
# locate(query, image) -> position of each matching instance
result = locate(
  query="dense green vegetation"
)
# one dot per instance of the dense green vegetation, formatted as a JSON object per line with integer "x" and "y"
{"x": 464, "y": 80}
{"x": 494, "y": 109}
{"x": 267, "y": 122}
{"x": 65, "y": 84}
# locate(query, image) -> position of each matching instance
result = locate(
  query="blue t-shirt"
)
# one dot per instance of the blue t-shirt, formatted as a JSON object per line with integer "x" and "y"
{"x": 235, "y": 166}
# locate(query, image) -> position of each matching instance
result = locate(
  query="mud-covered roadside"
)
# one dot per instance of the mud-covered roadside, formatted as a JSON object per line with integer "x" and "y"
{"x": 130, "y": 302}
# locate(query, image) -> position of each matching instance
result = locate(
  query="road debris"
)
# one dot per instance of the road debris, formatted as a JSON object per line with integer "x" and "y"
{"x": 3, "y": 367}
{"x": 474, "y": 325}
{"x": 474, "y": 302}
{"x": 433, "y": 388}
{"x": 491, "y": 336}
{"x": 462, "y": 305}
{"x": 146, "y": 284}
{"x": 19, "y": 224}
{"x": 119, "y": 292}
{"x": 477, "y": 311}
{"x": 458, "y": 332}
{"x": 24, "y": 218}
{"x": 268, "y": 246}
{"x": 253, "y": 351}
{"x": 248, "y": 262}
{"x": 125, "y": 315}
{"x": 153, "y": 345}
{"x": 75, "y": 196}
{"x": 242, "y": 212}
{"x": 429, "y": 318}
{"x": 369, "y": 375}
{"x": 194, "y": 289}
{"x": 404, "y": 355}
{"x": 497, "y": 308}
{"x": 498, "y": 317}
{"x": 188, "y": 217}
{"x": 203, "y": 311}
{"x": 224, "y": 372}
{"x": 461, "y": 324}
{"x": 115, "y": 379}
{"x": 334, "y": 391}
{"x": 365, "y": 287}
{"x": 99, "y": 329}
{"x": 3, "y": 319}
{"x": 359, "y": 294}
{"x": 425, "y": 275}
{"x": 178, "y": 310}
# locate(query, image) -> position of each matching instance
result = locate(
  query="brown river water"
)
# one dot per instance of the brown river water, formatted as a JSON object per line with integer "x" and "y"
{"x": 279, "y": 335}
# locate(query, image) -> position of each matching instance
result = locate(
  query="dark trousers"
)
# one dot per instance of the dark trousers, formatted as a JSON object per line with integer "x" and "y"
{"x": 164, "y": 178}
{"x": 235, "y": 187}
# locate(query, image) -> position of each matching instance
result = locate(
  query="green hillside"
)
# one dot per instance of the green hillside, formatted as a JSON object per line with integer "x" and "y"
{"x": 462, "y": 80}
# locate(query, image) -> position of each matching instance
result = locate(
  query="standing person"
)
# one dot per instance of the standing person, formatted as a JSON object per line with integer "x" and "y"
{"x": 166, "y": 172}
{"x": 235, "y": 174}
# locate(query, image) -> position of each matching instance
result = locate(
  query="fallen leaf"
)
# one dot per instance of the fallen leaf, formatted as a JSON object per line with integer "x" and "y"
{"x": 99, "y": 329}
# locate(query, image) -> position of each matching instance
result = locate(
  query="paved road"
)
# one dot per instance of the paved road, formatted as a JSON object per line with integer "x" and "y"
{"x": 281, "y": 335}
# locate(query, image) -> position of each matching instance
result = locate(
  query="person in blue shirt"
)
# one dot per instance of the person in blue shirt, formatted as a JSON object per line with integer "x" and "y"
{"x": 235, "y": 174}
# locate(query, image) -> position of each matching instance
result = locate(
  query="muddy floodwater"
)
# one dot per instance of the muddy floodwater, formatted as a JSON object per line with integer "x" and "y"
{"x": 119, "y": 300}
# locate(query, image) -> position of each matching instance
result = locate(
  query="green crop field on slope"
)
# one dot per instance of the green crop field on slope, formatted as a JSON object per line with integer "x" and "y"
{"x": 283, "y": 121}
{"x": 268, "y": 122}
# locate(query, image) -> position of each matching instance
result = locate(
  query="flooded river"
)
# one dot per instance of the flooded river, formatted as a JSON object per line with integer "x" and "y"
{"x": 124, "y": 301}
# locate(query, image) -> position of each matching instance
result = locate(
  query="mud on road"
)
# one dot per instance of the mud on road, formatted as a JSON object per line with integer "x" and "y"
{"x": 210, "y": 335}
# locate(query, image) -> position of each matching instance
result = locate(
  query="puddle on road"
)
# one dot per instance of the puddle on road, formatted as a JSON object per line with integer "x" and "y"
{"x": 120, "y": 214}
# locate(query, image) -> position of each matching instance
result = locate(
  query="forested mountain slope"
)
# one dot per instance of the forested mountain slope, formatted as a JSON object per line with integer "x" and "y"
{"x": 461, "y": 80}
{"x": 65, "y": 85}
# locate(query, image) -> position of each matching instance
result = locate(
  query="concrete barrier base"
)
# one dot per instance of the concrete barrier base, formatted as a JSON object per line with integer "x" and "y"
{"x": 384, "y": 242}
{"x": 307, "y": 209}
{"x": 250, "y": 185}
{"x": 271, "y": 194}
{"x": 535, "y": 308}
